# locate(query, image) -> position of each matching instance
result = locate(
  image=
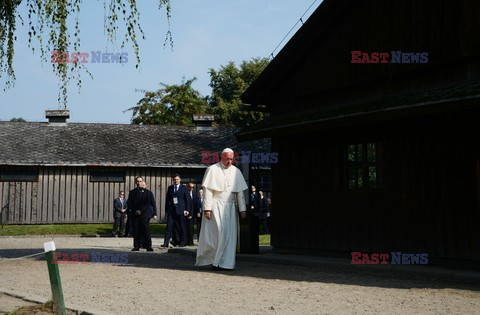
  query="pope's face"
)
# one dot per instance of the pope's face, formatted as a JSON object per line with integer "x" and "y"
{"x": 227, "y": 159}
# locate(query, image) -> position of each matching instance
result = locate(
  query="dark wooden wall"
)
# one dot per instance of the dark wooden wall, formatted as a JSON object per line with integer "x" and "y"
{"x": 319, "y": 72}
{"x": 66, "y": 194}
{"x": 430, "y": 200}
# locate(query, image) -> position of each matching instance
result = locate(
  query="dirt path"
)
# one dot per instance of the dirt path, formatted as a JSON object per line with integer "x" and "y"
{"x": 9, "y": 303}
{"x": 162, "y": 282}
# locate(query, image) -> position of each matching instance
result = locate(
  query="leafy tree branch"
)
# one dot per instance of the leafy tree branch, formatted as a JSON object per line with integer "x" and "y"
{"x": 48, "y": 25}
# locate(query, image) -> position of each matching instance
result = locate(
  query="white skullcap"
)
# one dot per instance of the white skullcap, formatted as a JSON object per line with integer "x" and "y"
{"x": 227, "y": 150}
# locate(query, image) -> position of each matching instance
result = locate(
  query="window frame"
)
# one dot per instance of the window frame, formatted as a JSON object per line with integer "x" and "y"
{"x": 107, "y": 179}
{"x": 362, "y": 165}
{"x": 32, "y": 175}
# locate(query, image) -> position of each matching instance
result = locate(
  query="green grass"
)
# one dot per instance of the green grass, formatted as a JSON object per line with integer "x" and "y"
{"x": 84, "y": 229}
{"x": 68, "y": 229}
{"x": 264, "y": 239}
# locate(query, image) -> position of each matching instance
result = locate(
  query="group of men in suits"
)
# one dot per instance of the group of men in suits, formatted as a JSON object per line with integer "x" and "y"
{"x": 183, "y": 208}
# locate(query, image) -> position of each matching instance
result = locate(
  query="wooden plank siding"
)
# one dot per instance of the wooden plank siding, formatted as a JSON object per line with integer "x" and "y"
{"x": 429, "y": 201}
{"x": 67, "y": 195}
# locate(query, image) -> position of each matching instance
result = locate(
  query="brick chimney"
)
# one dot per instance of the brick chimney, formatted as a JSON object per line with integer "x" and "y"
{"x": 57, "y": 116}
{"x": 203, "y": 122}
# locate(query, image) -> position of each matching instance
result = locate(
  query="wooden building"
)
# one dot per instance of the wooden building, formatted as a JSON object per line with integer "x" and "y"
{"x": 376, "y": 157}
{"x": 60, "y": 172}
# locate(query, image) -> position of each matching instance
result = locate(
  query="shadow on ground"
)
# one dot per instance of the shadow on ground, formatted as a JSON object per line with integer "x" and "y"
{"x": 257, "y": 266}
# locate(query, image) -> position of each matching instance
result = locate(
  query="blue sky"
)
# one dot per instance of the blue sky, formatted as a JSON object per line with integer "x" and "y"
{"x": 206, "y": 34}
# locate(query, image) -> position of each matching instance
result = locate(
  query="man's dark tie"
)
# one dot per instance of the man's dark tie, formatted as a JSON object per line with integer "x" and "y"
{"x": 175, "y": 189}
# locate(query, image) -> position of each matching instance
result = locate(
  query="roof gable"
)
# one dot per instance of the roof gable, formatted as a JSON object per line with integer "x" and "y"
{"x": 315, "y": 67}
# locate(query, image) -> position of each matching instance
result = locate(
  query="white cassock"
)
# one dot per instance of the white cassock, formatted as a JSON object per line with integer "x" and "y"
{"x": 223, "y": 191}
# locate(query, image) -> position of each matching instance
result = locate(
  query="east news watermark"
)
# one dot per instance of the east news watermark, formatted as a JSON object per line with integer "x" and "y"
{"x": 393, "y": 258}
{"x": 209, "y": 157}
{"x": 385, "y": 57}
{"x": 92, "y": 57}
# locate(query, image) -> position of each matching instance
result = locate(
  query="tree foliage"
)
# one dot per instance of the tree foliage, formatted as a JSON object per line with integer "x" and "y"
{"x": 175, "y": 104}
{"x": 19, "y": 119}
{"x": 7, "y": 31}
{"x": 48, "y": 22}
{"x": 169, "y": 105}
{"x": 228, "y": 83}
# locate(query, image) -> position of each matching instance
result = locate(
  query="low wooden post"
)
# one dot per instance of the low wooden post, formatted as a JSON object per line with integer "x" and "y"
{"x": 55, "y": 282}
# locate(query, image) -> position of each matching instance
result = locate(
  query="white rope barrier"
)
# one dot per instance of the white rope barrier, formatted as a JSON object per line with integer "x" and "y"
{"x": 18, "y": 258}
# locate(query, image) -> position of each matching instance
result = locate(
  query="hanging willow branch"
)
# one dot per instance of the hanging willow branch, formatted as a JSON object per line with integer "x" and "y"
{"x": 48, "y": 22}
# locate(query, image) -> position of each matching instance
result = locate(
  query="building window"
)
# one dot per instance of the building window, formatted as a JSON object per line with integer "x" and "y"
{"x": 18, "y": 176}
{"x": 363, "y": 166}
{"x": 107, "y": 177}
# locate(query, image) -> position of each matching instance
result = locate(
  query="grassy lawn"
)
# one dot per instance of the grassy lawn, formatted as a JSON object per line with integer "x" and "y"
{"x": 68, "y": 229}
{"x": 83, "y": 229}
{"x": 264, "y": 239}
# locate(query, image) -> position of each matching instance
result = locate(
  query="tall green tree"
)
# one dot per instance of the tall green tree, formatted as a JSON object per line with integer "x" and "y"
{"x": 48, "y": 25}
{"x": 228, "y": 83}
{"x": 170, "y": 105}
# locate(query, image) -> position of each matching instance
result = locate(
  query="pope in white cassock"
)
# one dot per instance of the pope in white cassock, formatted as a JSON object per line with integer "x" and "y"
{"x": 223, "y": 185}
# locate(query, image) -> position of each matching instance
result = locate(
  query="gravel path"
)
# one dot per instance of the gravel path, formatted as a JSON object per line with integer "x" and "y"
{"x": 162, "y": 282}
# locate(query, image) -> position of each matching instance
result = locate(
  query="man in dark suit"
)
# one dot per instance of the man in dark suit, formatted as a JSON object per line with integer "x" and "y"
{"x": 119, "y": 212}
{"x": 262, "y": 212}
{"x": 254, "y": 199}
{"x": 198, "y": 211}
{"x": 190, "y": 218}
{"x": 140, "y": 203}
{"x": 177, "y": 206}
{"x": 151, "y": 212}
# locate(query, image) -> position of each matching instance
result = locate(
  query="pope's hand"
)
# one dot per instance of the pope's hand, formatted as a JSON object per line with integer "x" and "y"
{"x": 208, "y": 214}
{"x": 243, "y": 214}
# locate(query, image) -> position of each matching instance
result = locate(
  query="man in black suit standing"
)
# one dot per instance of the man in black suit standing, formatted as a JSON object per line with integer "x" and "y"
{"x": 254, "y": 201}
{"x": 151, "y": 211}
{"x": 198, "y": 211}
{"x": 139, "y": 201}
{"x": 190, "y": 218}
{"x": 119, "y": 212}
{"x": 262, "y": 210}
{"x": 177, "y": 206}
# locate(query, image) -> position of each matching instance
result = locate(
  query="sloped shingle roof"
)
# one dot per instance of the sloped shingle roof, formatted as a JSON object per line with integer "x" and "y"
{"x": 30, "y": 143}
